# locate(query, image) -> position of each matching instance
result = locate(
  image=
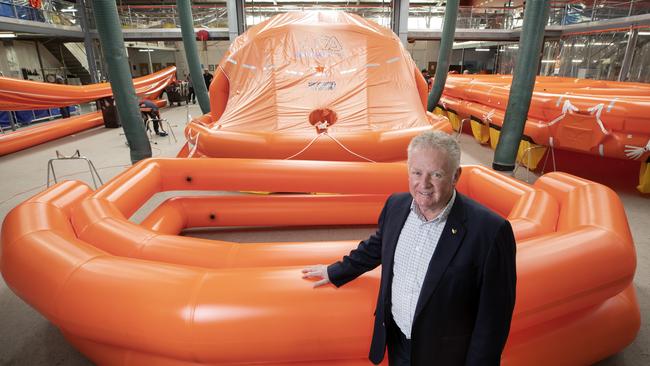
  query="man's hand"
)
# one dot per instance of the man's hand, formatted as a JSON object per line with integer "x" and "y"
{"x": 317, "y": 271}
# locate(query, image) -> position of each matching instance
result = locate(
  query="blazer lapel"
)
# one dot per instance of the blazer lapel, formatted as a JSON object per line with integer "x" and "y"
{"x": 401, "y": 213}
{"x": 450, "y": 240}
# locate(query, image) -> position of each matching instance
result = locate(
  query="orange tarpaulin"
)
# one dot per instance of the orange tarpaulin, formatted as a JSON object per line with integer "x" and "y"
{"x": 19, "y": 95}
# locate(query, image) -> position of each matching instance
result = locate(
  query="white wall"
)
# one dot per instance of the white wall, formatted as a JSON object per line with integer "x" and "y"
{"x": 137, "y": 58}
{"x": 15, "y": 55}
{"x": 424, "y": 52}
{"x": 476, "y": 61}
{"x": 210, "y": 56}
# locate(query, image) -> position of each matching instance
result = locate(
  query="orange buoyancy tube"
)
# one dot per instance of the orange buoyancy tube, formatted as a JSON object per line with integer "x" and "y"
{"x": 256, "y": 308}
{"x": 108, "y": 205}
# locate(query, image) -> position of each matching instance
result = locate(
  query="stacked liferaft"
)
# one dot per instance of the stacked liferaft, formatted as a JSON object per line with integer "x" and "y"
{"x": 314, "y": 85}
{"x": 141, "y": 294}
{"x": 601, "y": 118}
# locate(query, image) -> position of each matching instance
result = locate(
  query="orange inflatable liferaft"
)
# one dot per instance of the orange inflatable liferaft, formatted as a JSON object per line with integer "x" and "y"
{"x": 589, "y": 116}
{"x": 129, "y": 294}
{"x": 601, "y": 118}
{"x": 316, "y": 86}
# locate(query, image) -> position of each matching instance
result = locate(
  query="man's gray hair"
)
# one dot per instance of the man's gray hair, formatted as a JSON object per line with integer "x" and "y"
{"x": 437, "y": 140}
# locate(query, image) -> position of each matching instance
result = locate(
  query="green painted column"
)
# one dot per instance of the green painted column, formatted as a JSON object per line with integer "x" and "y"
{"x": 119, "y": 73}
{"x": 192, "y": 54}
{"x": 444, "y": 53}
{"x": 523, "y": 82}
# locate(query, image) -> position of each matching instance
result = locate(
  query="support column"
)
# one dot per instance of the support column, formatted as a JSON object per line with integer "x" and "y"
{"x": 65, "y": 67}
{"x": 119, "y": 73}
{"x": 444, "y": 53}
{"x": 236, "y": 20}
{"x": 629, "y": 54}
{"x": 523, "y": 81}
{"x": 462, "y": 59}
{"x": 40, "y": 60}
{"x": 192, "y": 54}
{"x": 88, "y": 42}
{"x": 399, "y": 20}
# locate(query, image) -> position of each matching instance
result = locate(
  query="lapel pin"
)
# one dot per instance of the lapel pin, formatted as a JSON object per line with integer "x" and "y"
{"x": 454, "y": 231}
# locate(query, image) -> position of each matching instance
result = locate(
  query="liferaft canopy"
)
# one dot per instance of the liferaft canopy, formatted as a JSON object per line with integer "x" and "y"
{"x": 298, "y": 70}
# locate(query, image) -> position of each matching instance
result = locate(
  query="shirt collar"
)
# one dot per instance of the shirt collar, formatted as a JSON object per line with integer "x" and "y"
{"x": 443, "y": 214}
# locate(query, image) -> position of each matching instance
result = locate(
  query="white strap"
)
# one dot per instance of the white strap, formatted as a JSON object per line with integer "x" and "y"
{"x": 635, "y": 152}
{"x": 567, "y": 108}
{"x": 487, "y": 117}
{"x": 598, "y": 110}
{"x": 193, "y": 141}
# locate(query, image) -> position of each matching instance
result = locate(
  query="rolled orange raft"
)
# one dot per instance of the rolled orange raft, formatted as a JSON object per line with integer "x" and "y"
{"x": 317, "y": 86}
{"x": 18, "y": 95}
{"x": 128, "y": 294}
{"x": 31, "y": 136}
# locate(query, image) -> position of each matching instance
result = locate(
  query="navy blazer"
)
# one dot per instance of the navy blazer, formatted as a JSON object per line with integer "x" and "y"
{"x": 463, "y": 314}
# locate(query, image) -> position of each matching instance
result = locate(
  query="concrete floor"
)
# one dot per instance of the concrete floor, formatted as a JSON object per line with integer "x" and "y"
{"x": 26, "y": 338}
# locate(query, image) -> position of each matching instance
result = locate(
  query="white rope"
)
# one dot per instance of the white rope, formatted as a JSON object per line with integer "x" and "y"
{"x": 348, "y": 150}
{"x": 335, "y": 140}
{"x": 635, "y": 152}
{"x": 306, "y": 147}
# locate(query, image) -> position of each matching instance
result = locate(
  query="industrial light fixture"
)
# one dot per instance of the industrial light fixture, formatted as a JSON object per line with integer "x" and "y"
{"x": 70, "y": 9}
{"x": 8, "y": 35}
{"x": 548, "y": 61}
{"x": 482, "y": 50}
{"x": 576, "y": 61}
{"x": 145, "y": 50}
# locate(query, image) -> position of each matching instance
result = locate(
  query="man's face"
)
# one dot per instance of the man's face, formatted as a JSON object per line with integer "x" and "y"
{"x": 431, "y": 180}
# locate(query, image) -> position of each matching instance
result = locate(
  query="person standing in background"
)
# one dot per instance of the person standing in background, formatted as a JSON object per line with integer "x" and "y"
{"x": 207, "y": 77}
{"x": 190, "y": 89}
{"x": 65, "y": 110}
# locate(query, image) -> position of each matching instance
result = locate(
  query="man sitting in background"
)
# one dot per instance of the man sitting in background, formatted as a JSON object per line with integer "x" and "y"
{"x": 150, "y": 110}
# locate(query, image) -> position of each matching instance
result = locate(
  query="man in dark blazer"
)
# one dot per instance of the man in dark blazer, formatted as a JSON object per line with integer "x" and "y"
{"x": 448, "y": 272}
